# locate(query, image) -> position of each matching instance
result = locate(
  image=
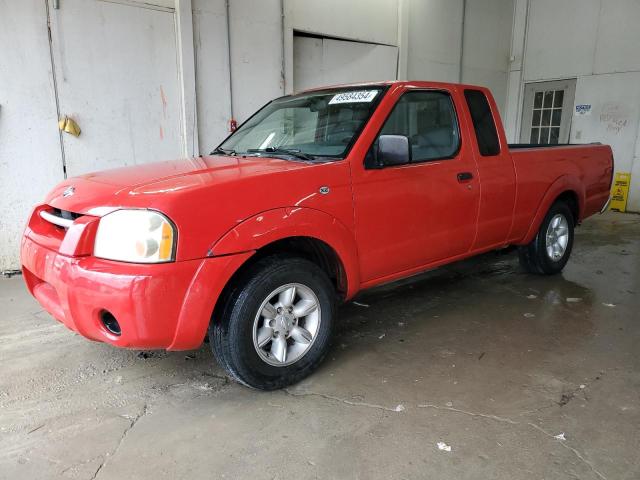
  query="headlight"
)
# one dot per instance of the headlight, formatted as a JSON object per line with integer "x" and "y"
{"x": 140, "y": 236}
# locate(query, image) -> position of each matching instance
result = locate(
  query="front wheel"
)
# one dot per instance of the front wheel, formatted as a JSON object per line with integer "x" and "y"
{"x": 276, "y": 323}
{"x": 549, "y": 251}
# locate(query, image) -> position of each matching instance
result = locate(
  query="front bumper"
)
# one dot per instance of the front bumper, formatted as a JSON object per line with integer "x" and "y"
{"x": 161, "y": 306}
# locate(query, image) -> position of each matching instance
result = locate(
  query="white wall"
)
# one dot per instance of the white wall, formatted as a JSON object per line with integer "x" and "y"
{"x": 561, "y": 38}
{"x": 255, "y": 33}
{"x": 232, "y": 77}
{"x": 512, "y": 111}
{"x": 212, "y": 72}
{"x": 596, "y": 42}
{"x": 373, "y": 21}
{"x": 434, "y": 40}
{"x": 487, "y": 45}
{"x": 30, "y": 155}
{"x": 319, "y": 62}
{"x": 437, "y": 48}
{"x": 616, "y": 110}
{"x": 256, "y": 54}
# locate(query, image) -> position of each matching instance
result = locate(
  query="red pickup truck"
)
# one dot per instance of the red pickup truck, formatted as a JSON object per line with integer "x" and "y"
{"x": 314, "y": 198}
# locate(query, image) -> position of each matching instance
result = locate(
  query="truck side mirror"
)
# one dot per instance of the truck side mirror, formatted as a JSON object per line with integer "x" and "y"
{"x": 393, "y": 150}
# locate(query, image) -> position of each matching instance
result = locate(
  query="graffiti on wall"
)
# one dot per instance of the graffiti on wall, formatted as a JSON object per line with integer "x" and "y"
{"x": 615, "y": 117}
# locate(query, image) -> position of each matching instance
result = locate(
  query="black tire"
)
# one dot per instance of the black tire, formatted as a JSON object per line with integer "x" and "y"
{"x": 534, "y": 257}
{"x": 231, "y": 333}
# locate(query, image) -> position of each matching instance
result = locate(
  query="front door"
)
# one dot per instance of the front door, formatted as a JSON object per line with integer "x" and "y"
{"x": 413, "y": 215}
{"x": 117, "y": 77}
{"x": 546, "y": 116}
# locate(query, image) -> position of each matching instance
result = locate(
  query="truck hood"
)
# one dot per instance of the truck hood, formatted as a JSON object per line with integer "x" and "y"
{"x": 206, "y": 197}
{"x": 100, "y": 192}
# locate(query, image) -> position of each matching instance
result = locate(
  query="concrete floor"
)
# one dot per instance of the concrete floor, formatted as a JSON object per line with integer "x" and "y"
{"x": 491, "y": 361}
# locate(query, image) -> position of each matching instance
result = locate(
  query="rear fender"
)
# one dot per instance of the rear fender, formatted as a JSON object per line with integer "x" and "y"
{"x": 273, "y": 225}
{"x": 566, "y": 183}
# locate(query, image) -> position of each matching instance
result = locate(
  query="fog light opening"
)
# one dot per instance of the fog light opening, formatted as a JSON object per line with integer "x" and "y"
{"x": 110, "y": 323}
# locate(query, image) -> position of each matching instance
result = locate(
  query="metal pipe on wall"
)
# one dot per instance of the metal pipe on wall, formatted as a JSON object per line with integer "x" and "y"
{"x": 464, "y": 13}
{"x": 520, "y": 93}
{"x": 283, "y": 79}
{"x": 228, "y": 18}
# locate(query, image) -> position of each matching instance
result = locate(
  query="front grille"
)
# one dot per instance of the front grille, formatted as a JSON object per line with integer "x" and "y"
{"x": 59, "y": 218}
{"x": 65, "y": 214}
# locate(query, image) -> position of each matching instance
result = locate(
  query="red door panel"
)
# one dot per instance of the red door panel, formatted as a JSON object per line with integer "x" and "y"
{"x": 412, "y": 215}
{"x": 495, "y": 169}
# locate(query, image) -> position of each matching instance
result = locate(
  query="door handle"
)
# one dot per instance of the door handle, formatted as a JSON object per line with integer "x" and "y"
{"x": 464, "y": 176}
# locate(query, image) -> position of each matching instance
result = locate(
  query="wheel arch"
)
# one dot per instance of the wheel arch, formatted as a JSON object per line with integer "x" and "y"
{"x": 566, "y": 188}
{"x": 570, "y": 197}
{"x": 306, "y": 232}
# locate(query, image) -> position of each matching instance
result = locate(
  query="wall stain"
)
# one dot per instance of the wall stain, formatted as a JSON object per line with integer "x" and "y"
{"x": 163, "y": 98}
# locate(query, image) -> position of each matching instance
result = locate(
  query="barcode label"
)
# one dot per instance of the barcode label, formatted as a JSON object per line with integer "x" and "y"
{"x": 354, "y": 97}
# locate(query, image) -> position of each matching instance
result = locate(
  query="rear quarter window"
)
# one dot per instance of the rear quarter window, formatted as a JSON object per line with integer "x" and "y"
{"x": 483, "y": 124}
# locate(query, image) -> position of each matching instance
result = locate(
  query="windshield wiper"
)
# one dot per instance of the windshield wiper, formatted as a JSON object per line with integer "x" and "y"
{"x": 224, "y": 151}
{"x": 283, "y": 151}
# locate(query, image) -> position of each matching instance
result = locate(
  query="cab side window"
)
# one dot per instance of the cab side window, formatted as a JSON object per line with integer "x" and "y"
{"x": 429, "y": 120}
{"x": 483, "y": 123}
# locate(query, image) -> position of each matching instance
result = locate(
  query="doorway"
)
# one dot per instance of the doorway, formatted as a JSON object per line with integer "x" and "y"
{"x": 546, "y": 115}
{"x": 117, "y": 77}
{"x": 320, "y": 61}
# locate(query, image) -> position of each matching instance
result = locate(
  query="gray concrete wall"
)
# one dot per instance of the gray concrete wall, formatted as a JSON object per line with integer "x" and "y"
{"x": 213, "y": 98}
{"x": 434, "y": 40}
{"x": 596, "y": 42}
{"x": 502, "y": 44}
{"x": 30, "y": 154}
{"x": 487, "y": 45}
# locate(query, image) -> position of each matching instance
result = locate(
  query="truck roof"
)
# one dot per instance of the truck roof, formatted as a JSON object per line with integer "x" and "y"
{"x": 408, "y": 83}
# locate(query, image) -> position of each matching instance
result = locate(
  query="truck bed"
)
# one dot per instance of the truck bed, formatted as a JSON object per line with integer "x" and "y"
{"x": 539, "y": 166}
{"x": 516, "y": 146}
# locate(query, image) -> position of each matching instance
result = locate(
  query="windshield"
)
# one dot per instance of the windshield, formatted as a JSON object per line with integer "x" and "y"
{"x": 316, "y": 124}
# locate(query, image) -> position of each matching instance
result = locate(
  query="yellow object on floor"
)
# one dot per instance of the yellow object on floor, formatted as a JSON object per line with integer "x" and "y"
{"x": 620, "y": 192}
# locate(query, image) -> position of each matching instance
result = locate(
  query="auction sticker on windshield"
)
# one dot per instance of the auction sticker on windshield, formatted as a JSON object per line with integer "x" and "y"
{"x": 354, "y": 97}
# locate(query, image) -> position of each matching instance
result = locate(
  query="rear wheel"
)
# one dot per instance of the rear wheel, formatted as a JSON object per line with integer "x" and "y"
{"x": 549, "y": 251}
{"x": 276, "y": 323}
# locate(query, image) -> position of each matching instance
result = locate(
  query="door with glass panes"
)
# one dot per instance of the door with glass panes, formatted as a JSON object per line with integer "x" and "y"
{"x": 546, "y": 116}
